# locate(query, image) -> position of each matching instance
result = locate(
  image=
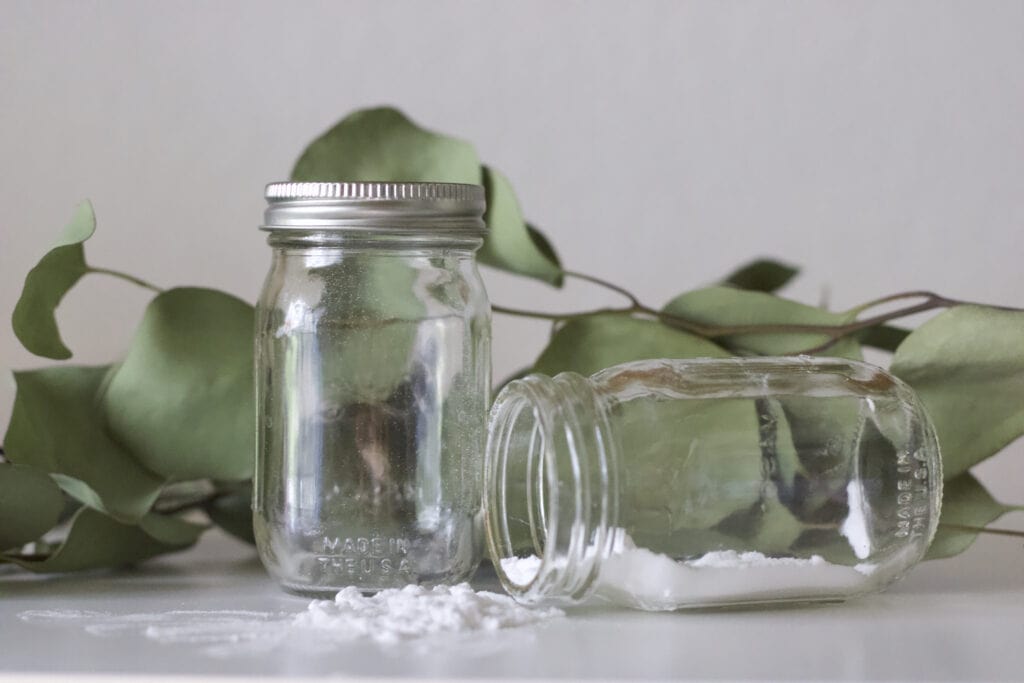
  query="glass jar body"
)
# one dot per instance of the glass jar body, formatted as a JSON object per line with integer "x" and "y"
{"x": 670, "y": 484}
{"x": 373, "y": 375}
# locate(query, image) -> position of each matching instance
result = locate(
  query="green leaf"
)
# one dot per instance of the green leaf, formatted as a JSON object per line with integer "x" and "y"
{"x": 682, "y": 450}
{"x": 885, "y": 337}
{"x": 383, "y": 144}
{"x": 683, "y": 456}
{"x": 80, "y": 491}
{"x": 591, "y": 343}
{"x": 728, "y": 306}
{"x": 819, "y": 433}
{"x": 967, "y": 366}
{"x": 362, "y": 360}
{"x": 767, "y": 527}
{"x": 510, "y": 243}
{"x": 46, "y": 284}
{"x": 965, "y": 502}
{"x": 30, "y": 504}
{"x": 56, "y": 426}
{"x": 547, "y": 249}
{"x": 96, "y": 541}
{"x": 172, "y": 531}
{"x": 232, "y": 512}
{"x": 182, "y": 400}
{"x": 763, "y": 275}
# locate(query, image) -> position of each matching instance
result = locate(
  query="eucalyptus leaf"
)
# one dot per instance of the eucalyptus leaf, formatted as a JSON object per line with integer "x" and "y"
{"x": 763, "y": 275}
{"x": 728, "y": 306}
{"x": 764, "y": 526}
{"x": 546, "y": 249}
{"x": 232, "y": 511}
{"x": 56, "y": 426}
{"x": 30, "y": 504}
{"x": 383, "y": 144}
{"x": 366, "y": 347}
{"x": 79, "y": 491}
{"x": 967, "y": 366}
{"x": 171, "y": 530}
{"x": 884, "y": 337}
{"x": 965, "y": 502}
{"x": 820, "y": 433}
{"x": 47, "y": 283}
{"x": 511, "y": 244}
{"x": 689, "y": 463}
{"x": 767, "y": 526}
{"x": 680, "y": 453}
{"x": 591, "y": 343}
{"x": 182, "y": 399}
{"x": 96, "y": 541}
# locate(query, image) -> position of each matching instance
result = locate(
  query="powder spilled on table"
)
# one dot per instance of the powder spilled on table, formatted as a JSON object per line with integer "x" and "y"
{"x": 389, "y": 616}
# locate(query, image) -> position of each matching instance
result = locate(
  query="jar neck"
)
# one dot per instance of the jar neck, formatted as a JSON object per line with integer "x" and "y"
{"x": 552, "y": 487}
{"x": 351, "y": 239}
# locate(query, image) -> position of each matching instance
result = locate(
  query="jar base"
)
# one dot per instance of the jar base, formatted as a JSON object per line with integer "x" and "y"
{"x": 367, "y": 562}
{"x": 328, "y": 592}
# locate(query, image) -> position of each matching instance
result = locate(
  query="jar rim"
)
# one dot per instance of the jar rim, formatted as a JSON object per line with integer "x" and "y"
{"x": 571, "y": 485}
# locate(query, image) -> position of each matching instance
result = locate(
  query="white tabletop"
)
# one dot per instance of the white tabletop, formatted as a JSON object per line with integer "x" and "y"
{"x": 957, "y": 619}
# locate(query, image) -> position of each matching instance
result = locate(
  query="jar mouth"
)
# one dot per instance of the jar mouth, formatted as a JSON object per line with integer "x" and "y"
{"x": 551, "y": 493}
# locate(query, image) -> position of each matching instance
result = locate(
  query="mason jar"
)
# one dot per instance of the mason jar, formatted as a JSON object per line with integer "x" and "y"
{"x": 372, "y": 383}
{"x": 667, "y": 484}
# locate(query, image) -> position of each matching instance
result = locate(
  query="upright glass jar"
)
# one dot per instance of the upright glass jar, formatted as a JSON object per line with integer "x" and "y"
{"x": 372, "y": 383}
{"x": 667, "y": 484}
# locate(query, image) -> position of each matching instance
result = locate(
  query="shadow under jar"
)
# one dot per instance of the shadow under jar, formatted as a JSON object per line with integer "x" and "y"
{"x": 668, "y": 484}
{"x": 372, "y": 381}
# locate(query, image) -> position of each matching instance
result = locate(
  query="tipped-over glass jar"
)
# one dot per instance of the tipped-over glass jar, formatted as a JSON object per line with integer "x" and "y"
{"x": 668, "y": 484}
{"x": 373, "y": 377}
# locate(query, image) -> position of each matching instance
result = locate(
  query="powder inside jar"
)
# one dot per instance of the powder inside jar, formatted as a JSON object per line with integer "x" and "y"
{"x": 637, "y": 577}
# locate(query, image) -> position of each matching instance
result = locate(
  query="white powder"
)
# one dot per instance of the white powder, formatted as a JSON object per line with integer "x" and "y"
{"x": 386, "y": 617}
{"x": 414, "y": 611}
{"x": 521, "y": 570}
{"x": 855, "y": 526}
{"x": 637, "y": 577}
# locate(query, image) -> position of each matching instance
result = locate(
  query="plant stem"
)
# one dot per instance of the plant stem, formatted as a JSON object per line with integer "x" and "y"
{"x": 127, "y": 277}
{"x": 607, "y": 285}
{"x": 856, "y": 310}
{"x": 190, "y": 504}
{"x": 540, "y": 315}
{"x": 834, "y": 333}
{"x": 983, "y": 530}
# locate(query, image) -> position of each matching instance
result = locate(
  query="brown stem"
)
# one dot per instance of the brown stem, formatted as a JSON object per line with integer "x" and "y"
{"x": 557, "y": 317}
{"x": 607, "y": 285}
{"x": 190, "y": 504}
{"x": 839, "y": 331}
{"x": 833, "y": 332}
{"x": 920, "y": 294}
{"x": 982, "y": 530}
{"x": 125, "y": 276}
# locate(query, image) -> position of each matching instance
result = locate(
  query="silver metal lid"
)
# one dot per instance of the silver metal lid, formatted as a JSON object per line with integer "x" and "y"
{"x": 392, "y": 206}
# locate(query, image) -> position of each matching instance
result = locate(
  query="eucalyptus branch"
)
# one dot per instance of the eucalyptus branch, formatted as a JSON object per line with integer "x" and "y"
{"x": 931, "y": 302}
{"x": 171, "y": 507}
{"x": 982, "y": 530}
{"x": 834, "y": 333}
{"x": 125, "y": 276}
{"x": 633, "y": 300}
{"x": 919, "y": 294}
{"x": 558, "y": 317}
{"x": 187, "y": 505}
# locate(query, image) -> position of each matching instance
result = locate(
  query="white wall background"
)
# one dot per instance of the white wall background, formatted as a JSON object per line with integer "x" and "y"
{"x": 879, "y": 144}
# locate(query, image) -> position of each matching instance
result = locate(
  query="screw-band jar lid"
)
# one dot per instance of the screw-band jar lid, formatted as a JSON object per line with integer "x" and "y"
{"x": 371, "y": 205}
